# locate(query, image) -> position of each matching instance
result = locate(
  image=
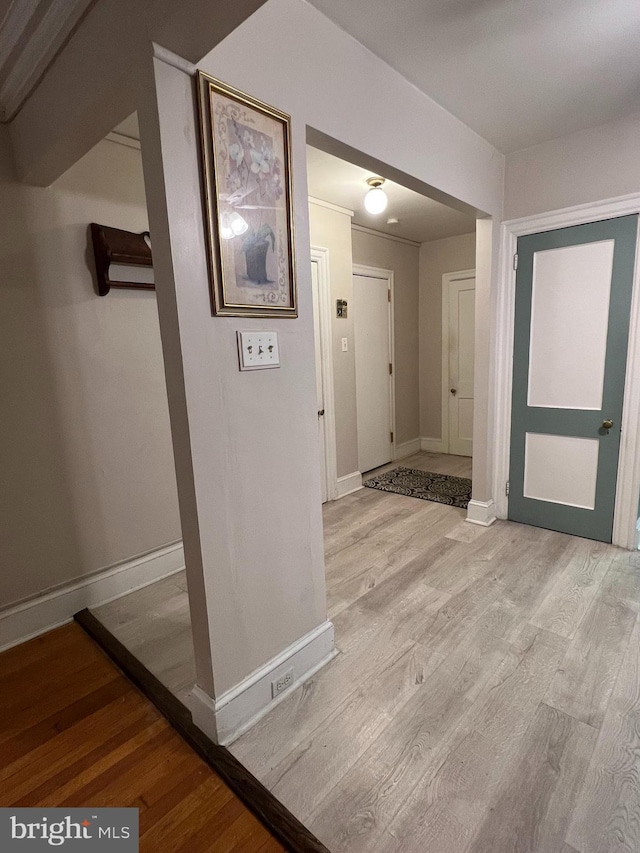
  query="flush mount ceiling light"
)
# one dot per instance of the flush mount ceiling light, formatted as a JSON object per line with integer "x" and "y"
{"x": 375, "y": 200}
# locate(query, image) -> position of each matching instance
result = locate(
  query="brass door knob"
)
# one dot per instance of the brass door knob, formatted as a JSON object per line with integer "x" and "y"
{"x": 607, "y": 424}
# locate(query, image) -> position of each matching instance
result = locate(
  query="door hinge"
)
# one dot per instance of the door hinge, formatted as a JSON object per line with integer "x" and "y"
{"x": 506, "y": 488}
{"x": 390, "y": 369}
{"x": 515, "y": 261}
{"x": 391, "y": 438}
{"x": 389, "y": 295}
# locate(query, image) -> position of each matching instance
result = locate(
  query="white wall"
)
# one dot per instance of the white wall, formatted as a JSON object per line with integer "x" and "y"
{"x": 437, "y": 258}
{"x": 592, "y": 165}
{"x": 248, "y": 473}
{"x": 246, "y": 444}
{"x": 378, "y": 251}
{"x": 331, "y": 229}
{"x": 328, "y": 82}
{"x": 86, "y": 465}
{"x": 333, "y": 92}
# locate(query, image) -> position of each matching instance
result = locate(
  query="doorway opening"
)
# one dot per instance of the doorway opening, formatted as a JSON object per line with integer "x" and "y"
{"x": 458, "y": 337}
{"x": 394, "y": 326}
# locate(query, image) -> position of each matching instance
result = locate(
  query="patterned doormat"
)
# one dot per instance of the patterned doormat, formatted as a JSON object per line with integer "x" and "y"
{"x": 441, "y": 488}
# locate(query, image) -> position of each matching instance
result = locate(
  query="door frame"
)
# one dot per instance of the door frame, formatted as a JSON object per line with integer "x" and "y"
{"x": 320, "y": 256}
{"x": 628, "y": 482}
{"x": 386, "y": 275}
{"x": 447, "y": 278}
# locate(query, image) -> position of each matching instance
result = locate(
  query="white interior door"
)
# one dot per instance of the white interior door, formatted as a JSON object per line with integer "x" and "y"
{"x": 372, "y": 358}
{"x": 461, "y": 328}
{"x": 317, "y": 336}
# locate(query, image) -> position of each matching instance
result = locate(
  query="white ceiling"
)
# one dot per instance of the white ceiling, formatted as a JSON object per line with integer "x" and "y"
{"x": 421, "y": 218}
{"x": 516, "y": 71}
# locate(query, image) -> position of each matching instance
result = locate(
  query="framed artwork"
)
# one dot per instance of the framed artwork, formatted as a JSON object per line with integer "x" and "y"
{"x": 247, "y": 173}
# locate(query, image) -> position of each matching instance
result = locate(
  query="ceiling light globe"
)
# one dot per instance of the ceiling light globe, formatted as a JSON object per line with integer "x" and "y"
{"x": 375, "y": 201}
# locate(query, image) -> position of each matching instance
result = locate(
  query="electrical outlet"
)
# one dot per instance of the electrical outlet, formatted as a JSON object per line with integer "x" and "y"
{"x": 281, "y": 683}
{"x": 258, "y": 350}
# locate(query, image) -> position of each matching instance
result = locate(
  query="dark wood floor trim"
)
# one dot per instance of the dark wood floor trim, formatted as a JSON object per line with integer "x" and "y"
{"x": 284, "y": 826}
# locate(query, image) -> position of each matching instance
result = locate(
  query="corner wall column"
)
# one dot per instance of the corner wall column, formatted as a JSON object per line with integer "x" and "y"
{"x": 244, "y": 443}
{"x": 482, "y": 508}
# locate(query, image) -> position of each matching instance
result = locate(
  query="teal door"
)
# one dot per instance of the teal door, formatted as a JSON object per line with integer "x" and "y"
{"x": 573, "y": 298}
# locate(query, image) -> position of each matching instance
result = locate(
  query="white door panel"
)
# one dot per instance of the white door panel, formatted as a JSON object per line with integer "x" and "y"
{"x": 571, "y": 290}
{"x": 319, "y": 383}
{"x": 561, "y": 469}
{"x": 371, "y": 332}
{"x": 461, "y": 322}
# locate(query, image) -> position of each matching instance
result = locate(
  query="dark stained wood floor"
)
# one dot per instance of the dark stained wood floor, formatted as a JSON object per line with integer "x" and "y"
{"x": 74, "y": 732}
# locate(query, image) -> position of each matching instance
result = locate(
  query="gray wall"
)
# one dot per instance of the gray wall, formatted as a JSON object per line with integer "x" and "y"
{"x": 436, "y": 258}
{"x": 331, "y": 229}
{"x": 373, "y": 251}
{"x": 86, "y": 466}
{"x": 418, "y": 323}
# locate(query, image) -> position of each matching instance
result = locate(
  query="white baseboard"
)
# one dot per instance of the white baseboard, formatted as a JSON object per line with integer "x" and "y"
{"x": 40, "y": 613}
{"x": 408, "y": 448}
{"x": 226, "y": 718}
{"x": 349, "y": 483}
{"x": 481, "y": 512}
{"x": 432, "y": 445}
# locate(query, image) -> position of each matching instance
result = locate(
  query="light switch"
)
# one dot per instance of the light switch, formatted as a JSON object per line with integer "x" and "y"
{"x": 258, "y": 350}
{"x": 345, "y": 345}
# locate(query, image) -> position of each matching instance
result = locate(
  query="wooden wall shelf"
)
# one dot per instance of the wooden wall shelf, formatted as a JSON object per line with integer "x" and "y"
{"x": 123, "y": 259}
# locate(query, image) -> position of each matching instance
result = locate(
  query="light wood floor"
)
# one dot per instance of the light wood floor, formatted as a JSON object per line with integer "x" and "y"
{"x": 486, "y": 697}
{"x": 154, "y": 624}
{"x": 74, "y": 732}
{"x": 439, "y": 463}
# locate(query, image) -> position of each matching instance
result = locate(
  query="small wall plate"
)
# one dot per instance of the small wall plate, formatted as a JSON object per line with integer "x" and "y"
{"x": 258, "y": 350}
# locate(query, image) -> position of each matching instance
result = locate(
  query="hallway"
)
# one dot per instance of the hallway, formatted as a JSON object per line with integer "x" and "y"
{"x": 401, "y": 678}
{"x": 487, "y": 687}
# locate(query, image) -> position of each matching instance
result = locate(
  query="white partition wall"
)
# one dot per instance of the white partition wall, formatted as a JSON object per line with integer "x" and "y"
{"x": 248, "y": 486}
{"x": 249, "y": 480}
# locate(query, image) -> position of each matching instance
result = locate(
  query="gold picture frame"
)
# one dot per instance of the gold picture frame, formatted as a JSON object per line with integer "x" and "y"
{"x": 246, "y": 151}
